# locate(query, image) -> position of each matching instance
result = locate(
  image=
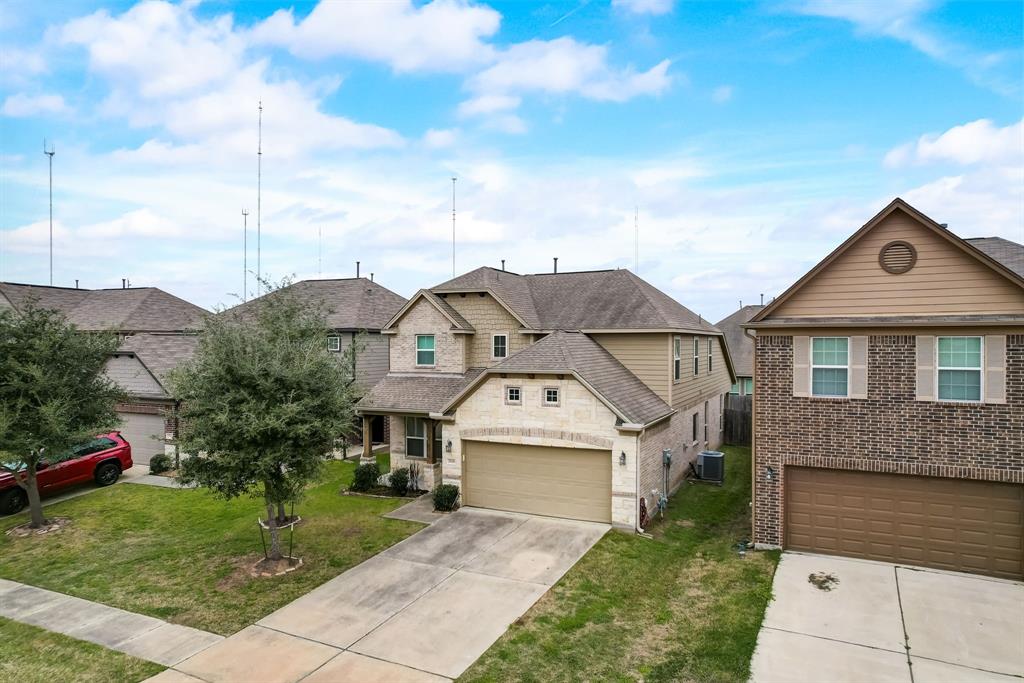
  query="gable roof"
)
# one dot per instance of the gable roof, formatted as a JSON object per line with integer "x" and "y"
{"x": 459, "y": 324}
{"x": 161, "y": 353}
{"x": 741, "y": 347}
{"x": 132, "y": 309}
{"x": 896, "y": 204}
{"x": 350, "y": 303}
{"x": 586, "y": 300}
{"x": 1008, "y": 253}
{"x": 574, "y": 353}
{"x": 415, "y": 393}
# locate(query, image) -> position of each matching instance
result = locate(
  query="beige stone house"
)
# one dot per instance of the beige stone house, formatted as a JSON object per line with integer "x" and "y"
{"x": 553, "y": 394}
{"x": 889, "y": 401}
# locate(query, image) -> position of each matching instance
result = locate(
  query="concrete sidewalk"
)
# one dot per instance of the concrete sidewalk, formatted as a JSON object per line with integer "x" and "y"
{"x": 134, "y": 634}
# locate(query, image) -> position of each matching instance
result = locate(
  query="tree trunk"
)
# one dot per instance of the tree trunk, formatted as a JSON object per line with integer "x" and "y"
{"x": 35, "y": 505}
{"x": 282, "y": 515}
{"x": 274, "y": 553}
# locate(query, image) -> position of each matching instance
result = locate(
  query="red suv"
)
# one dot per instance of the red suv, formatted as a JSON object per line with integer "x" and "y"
{"x": 101, "y": 460}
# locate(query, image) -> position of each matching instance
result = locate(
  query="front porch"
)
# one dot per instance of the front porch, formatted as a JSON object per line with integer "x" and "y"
{"x": 416, "y": 442}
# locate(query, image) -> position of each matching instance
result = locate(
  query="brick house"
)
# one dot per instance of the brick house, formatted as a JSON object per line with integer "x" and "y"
{"x": 552, "y": 394}
{"x": 889, "y": 401}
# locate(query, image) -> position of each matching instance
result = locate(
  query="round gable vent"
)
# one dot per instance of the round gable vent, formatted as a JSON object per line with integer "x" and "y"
{"x": 897, "y": 257}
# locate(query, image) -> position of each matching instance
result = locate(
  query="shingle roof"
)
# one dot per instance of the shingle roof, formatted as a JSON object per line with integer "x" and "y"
{"x": 351, "y": 303}
{"x": 1008, "y": 253}
{"x": 416, "y": 393}
{"x": 741, "y": 347}
{"x": 161, "y": 353}
{"x": 134, "y": 309}
{"x": 569, "y": 352}
{"x": 460, "y": 322}
{"x": 589, "y": 300}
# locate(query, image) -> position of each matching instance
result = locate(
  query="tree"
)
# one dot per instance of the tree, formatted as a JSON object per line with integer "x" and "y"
{"x": 53, "y": 393}
{"x": 263, "y": 403}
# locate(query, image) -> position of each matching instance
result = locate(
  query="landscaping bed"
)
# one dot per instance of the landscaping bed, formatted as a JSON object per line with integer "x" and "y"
{"x": 34, "y": 655}
{"x": 682, "y": 605}
{"x": 185, "y": 556}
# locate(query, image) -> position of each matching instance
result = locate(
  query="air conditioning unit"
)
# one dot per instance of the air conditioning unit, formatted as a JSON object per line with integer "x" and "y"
{"x": 711, "y": 466}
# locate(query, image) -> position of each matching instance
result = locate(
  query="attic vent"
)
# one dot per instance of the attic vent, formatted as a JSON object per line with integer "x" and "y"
{"x": 897, "y": 257}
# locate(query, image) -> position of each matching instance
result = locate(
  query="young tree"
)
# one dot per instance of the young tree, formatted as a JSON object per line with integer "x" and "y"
{"x": 262, "y": 403}
{"x": 53, "y": 393}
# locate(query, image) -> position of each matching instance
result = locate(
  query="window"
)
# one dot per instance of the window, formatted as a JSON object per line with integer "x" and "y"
{"x": 694, "y": 429}
{"x": 721, "y": 413}
{"x": 677, "y": 358}
{"x": 550, "y": 396}
{"x": 425, "y": 350}
{"x": 696, "y": 356}
{"x": 513, "y": 396}
{"x": 334, "y": 343}
{"x": 735, "y": 388}
{"x": 710, "y": 356}
{"x": 438, "y": 442}
{"x": 830, "y": 366}
{"x": 499, "y": 346}
{"x": 959, "y": 368}
{"x": 748, "y": 386}
{"x": 416, "y": 437}
{"x": 705, "y": 421}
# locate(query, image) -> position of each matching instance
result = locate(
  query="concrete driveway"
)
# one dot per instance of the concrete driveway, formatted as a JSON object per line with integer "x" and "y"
{"x": 423, "y": 610}
{"x": 872, "y": 621}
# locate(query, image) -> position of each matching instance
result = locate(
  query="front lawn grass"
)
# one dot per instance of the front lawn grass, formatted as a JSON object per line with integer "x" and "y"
{"x": 34, "y": 655}
{"x": 682, "y": 606}
{"x": 181, "y": 555}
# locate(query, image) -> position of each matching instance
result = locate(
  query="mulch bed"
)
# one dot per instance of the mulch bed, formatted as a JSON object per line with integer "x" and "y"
{"x": 382, "y": 492}
{"x": 52, "y": 526}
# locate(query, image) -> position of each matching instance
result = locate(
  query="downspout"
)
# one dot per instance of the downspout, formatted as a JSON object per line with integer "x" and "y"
{"x": 753, "y": 450}
{"x": 636, "y": 479}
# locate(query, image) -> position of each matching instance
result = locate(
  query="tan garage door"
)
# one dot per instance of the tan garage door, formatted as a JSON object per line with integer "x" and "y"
{"x": 559, "y": 482}
{"x": 145, "y": 433}
{"x": 969, "y": 526}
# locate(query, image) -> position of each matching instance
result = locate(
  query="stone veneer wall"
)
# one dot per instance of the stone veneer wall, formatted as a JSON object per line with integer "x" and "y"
{"x": 430, "y": 475}
{"x": 487, "y": 317}
{"x": 890, "y": 431}
{"x": 580, "y": 421}
{"x": 423, "y": 318}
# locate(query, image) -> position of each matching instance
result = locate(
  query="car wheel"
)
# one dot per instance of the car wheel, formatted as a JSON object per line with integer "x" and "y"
{"x": 12, "y": 501}
{"x": 107, "y": 473}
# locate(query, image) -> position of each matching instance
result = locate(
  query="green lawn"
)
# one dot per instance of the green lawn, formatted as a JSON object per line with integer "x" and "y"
{"x": 180, "y": 555}
{"x": 682, "y": 606}
{"x": 34, "y": 655}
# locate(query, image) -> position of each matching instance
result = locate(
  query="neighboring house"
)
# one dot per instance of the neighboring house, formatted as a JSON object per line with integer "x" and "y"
{"x": 741, "y": 348}
{"x": 553, "y": 394}
{"x": 889, "y": 401}
{"x": 356, "y": 309}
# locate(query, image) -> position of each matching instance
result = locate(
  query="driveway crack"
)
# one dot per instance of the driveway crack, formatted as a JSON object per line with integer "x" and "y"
{"x": 903, "y": 621}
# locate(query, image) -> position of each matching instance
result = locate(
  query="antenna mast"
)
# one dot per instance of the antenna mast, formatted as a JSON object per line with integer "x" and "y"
{"x": 50, "y": 152}
{"x": 245, "y": 255}
{"x": 453, "y": 226}
{"x": 320, "y": 251}
{"x": 259, "y": 183}
{"x": 636, "y": 240}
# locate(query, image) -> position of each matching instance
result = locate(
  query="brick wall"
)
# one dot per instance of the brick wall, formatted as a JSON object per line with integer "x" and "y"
{"x": 890, "y": 431}
{"x": 423, "y": 318}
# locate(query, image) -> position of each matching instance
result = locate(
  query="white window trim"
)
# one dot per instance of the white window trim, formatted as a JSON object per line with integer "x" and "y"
{"x": 711, "y": 355}
{"x": 694, "y": 426}
{"x": 495, "y": 336}
{"x": 980, "y": 370}
{"x": 544, "y": 396}
{"x": 696, "y": 356}
{"x": 509, "y": 401}
{"x": 677, "y": 359}
{"x": 810, "y": 375}
{"x": 416, "y": 350}
{"x": 418, "y": 438}
{"x": 334, "y": 343}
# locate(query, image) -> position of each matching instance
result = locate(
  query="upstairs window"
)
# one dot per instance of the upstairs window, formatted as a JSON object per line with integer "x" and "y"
{"x": 830, "y": 366}
{"x": 710, "y": 355}
{"x": 334, "y": 343}
{"x": 959, "y": 368}
{"x": 513, "y": 395}
{"x": 696, "y": 358}
{"x": 416, "y": 437}
{"x": 551, "y": 396}
{"x": 425, "y": 350}
{"x": 677, "y": 358}
{"x": 499, "y": 346}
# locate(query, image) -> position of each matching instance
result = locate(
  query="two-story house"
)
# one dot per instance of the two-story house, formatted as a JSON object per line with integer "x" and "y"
{"x": 889, "y": 401}
{"x": 558, "y": 394}
{"x": 741, "y": 347}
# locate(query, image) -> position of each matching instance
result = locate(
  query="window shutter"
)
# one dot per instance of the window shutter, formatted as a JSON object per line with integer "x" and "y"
{"x": 801, "y": 366}
{"x": 858, "y": 367}
{"x": 926, "y": 390}
{"x": 995, "y": 368}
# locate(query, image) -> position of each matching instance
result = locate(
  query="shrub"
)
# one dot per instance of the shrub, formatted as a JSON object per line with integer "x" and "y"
{"x": 445, "y": 497}
{"x": 399, "y": 481}
{"x": 366, "y": 477}
{"x": 161, "y": 462}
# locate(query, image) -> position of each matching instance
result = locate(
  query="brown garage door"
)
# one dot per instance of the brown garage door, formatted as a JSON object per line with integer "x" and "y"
{"x": 559, "y": 482}
{"x": 969, "y": 526}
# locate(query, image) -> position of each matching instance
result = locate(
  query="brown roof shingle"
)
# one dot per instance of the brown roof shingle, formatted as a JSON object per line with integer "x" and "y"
{"x": 1008, "y": 253}
{"x": 741, "y": 347}
{"x": 416, "y": 393}
{"x": 161, "y": 353}
{"x": 350, "y": 303}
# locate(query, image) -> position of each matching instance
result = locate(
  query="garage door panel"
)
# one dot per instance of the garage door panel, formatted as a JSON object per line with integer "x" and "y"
{"x": 962, "y": 525}
{"x": 560, "y": 482}
{"x": 145, "y": 433}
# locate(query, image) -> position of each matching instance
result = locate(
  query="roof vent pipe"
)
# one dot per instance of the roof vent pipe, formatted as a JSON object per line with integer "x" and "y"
{"x": 945, "y": 226}
{"x": 357, "y": 269}
{"x": 76, "y": 284}
{"x": 503, "y": 265}
{"x": 762, "y": 298}
{"x": 122, "y": 283}
{"x": 371, "y": 277}
{"x": 556, "y": 264}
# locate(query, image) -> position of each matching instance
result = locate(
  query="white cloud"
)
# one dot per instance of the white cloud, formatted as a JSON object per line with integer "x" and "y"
{"x": 654, "y": 7}
{"x": 20, "y": 65}
{"x": 488, "y": 104}
{"x": 437, "y": 139}
{"x": 978, "y": 203}
{"x": 722, "y": 94}
{"x": 21, "y": 105}
{"x": 976, "y": 142}
{"x": 444, "y": 35}
{"x": 138, "y": 223}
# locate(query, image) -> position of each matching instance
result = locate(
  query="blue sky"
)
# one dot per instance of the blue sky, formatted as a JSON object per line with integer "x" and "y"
{"x": 752, "y": 138}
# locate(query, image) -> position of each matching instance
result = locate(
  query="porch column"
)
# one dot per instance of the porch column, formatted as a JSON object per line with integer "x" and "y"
{"x": 431, "y": 456}
{"x": 367, "y": 440}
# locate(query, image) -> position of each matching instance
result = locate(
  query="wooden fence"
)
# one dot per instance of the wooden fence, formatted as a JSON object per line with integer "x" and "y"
{"x": 738, "y": 414}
